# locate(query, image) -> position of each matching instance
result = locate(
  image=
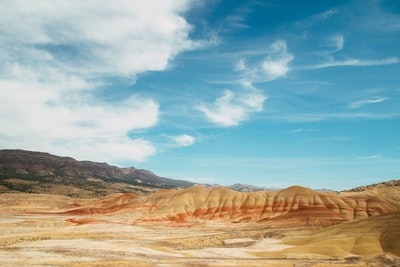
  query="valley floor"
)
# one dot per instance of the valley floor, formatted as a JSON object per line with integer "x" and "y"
{"x": 32, "y": 239}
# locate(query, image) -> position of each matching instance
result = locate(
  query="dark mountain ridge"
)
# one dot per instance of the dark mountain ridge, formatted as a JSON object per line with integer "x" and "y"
{"x": 38, "y": 172}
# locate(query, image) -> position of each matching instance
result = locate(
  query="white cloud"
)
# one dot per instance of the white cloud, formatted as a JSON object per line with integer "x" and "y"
{"x": 360, "y": 103}
{"x": 183, "y": 140}
{"x": 53, "y": 57}
{"x": 40, "y": 119}
{"x": 230, "y": 109}
{"x": 276, "y": 64}
{"x": 122, "y": 37}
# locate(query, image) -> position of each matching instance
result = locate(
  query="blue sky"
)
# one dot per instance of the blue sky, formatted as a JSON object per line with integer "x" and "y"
{"x": 269, "y": 93}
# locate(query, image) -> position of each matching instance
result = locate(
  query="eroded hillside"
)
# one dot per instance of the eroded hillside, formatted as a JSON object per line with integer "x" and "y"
{"x": 292, "y": 206}
{"x": 201, "y": 226}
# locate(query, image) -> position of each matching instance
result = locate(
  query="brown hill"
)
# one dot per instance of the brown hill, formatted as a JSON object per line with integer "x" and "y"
{"x": 374, "y": 186}
{"x": 36, "y": 172}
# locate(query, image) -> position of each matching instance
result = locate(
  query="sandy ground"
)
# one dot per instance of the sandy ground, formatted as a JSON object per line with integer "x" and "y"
{"x": 29, "y": 239}
{"x": 39, "y": 240}
{"x": 42, "y": 240}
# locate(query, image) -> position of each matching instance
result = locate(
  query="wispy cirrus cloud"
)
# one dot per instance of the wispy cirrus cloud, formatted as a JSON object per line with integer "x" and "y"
{"x": 354, "y": 63}
{"x": 301, "y": 130}
{"x": 297, "y": 130}
{"x": 56, "y": 54}
{"x": 361, "y": 103}
{"x": 337, "y": 43}
{"x": 371, "y": 157}
{"x": 316, "y": 18}
{"x": 237, "y": 19}
{"x": 314, "y": 117}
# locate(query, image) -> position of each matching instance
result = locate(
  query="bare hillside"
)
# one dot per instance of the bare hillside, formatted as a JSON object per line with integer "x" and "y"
{"x": 293, "y": 206}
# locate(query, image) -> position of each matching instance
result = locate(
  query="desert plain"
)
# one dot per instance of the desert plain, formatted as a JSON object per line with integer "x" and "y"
{"x": 130, "y": 230}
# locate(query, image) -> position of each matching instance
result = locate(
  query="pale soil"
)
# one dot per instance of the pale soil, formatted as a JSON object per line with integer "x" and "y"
{"x": 39, "y": 240}
{"x": 28, "y": 239}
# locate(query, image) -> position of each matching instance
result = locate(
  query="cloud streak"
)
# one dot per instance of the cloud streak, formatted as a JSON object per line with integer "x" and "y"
{"x": 361, "y": 103}
{"x": 354, "y": 63}
{"x": 372, "y": 157}
{"x": 311, "y": 117}
{"x": 314, "y": 19}
{"x": 337, "y": 43}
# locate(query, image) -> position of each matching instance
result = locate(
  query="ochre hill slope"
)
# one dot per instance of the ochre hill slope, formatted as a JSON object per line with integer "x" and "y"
{"x": 366, "y": 237}
{"x": 292, "y": 206}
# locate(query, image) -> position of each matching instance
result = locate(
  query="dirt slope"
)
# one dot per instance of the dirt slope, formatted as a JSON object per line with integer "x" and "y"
{"x": 367, "y": 237}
